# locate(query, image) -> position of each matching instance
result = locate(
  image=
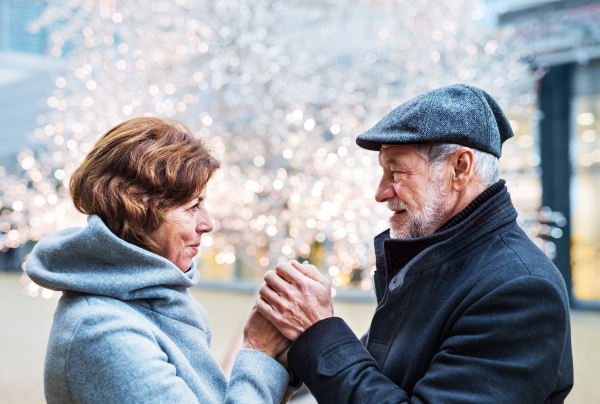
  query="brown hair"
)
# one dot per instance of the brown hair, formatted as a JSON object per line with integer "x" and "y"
{"x": 138, "y": 171}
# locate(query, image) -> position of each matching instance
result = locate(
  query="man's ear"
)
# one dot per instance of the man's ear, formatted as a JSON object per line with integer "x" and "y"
{"x": 463, "y": 162}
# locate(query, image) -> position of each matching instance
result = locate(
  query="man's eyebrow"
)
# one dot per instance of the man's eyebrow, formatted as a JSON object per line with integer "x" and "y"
{"x": 389, "y": 160}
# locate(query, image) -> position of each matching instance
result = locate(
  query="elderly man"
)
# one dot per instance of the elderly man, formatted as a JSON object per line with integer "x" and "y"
{"x": 470, "y": 310}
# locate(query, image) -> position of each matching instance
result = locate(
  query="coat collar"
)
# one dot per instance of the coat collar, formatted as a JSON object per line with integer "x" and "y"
{"x": 493, "y": 215}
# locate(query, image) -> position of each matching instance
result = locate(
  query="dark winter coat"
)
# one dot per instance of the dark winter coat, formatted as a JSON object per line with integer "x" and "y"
{"x": 481, "y": 315}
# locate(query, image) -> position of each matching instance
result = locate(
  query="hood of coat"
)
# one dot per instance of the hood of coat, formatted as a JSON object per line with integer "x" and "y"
{"x": 94, "y": 260}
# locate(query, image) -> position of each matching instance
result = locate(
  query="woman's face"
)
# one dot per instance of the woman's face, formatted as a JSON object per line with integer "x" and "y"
{"x": 179, "y": 236}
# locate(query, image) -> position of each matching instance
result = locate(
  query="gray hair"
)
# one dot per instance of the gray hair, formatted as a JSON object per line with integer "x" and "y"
{"x": 486, "y": 166}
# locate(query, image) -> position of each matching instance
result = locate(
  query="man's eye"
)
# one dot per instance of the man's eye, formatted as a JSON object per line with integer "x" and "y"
{"x": 397, "y": 175}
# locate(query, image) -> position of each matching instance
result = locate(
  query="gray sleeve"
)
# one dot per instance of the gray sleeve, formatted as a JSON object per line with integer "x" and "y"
{"x": 256, "y": 378}
{"x": 114, "y": 362}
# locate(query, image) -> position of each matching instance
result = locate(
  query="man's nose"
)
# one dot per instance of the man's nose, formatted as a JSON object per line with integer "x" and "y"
{"x": 385, "y": 191}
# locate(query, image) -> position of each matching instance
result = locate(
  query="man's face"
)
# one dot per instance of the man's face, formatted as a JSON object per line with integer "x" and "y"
{"x": 417, "y": 197}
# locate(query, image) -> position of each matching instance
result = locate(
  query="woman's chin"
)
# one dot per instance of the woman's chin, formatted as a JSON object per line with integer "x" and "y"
{"x": 184, "y": 265}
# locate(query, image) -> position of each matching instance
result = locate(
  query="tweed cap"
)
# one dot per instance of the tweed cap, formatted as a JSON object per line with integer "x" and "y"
{"x": 458, "y": 114}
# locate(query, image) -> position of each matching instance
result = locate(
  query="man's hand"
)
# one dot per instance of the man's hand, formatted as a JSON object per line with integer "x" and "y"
{"x": 260, "y": 334}
{"x": 294, "y": 297}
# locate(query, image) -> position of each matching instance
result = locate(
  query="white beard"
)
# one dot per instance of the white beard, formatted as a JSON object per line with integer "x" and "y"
{"x": 426, "y": 220}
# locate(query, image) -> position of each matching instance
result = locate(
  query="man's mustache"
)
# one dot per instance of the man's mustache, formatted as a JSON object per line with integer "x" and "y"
{"x": 397, "y": 204}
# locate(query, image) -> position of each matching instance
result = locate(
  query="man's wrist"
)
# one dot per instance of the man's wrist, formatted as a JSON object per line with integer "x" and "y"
{"x": 316, "y": 320}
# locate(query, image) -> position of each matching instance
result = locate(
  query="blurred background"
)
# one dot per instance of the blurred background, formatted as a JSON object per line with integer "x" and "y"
{"x": 280, "y": 90}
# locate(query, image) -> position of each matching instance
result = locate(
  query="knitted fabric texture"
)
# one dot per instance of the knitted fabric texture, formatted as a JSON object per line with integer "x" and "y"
{"x": 458, "y": 114}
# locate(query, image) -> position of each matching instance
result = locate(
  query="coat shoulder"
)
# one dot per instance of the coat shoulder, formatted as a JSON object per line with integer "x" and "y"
{"x": 79, "y": 319}
{"x": 96, "y": 311}
{"x": 499, "y": 260}
{"x": 512, "y": 255}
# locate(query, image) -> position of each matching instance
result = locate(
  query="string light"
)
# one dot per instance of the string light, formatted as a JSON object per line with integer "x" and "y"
{"x": 280, "y": 102}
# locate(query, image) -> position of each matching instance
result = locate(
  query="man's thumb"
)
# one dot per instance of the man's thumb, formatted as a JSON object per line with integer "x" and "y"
{"x": 310, "y": 271}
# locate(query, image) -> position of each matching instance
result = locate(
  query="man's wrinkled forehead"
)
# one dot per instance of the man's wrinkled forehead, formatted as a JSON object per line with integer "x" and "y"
{"x": 392, "y": 154}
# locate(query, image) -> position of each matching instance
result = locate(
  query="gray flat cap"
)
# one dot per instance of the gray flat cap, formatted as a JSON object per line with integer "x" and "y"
{"x": 458, "y": 114}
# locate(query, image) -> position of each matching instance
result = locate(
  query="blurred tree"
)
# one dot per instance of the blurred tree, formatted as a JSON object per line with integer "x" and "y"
{"x": 279, "y": 89}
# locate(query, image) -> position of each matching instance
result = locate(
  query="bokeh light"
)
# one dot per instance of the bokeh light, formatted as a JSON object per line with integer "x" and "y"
{"x": 281, "y": 105}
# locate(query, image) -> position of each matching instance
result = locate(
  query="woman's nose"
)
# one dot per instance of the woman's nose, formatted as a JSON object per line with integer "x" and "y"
{"x": 205, "y": 223}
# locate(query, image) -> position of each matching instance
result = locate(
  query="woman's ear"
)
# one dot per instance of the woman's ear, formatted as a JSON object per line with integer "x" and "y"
{"x": 463, "y": 163}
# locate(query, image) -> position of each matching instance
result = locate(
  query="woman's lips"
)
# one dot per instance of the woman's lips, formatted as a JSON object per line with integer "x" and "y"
{"x": 397, "y": 215}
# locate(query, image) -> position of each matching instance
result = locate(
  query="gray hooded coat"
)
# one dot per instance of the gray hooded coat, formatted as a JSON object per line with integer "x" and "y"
{"x": 126, "y": 329}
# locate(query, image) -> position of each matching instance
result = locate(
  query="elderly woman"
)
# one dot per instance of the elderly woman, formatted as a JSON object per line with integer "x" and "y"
{"x": 126, "y": 329}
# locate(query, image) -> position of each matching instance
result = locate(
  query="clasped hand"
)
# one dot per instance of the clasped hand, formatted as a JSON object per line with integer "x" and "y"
{"x": 293, "y": 297}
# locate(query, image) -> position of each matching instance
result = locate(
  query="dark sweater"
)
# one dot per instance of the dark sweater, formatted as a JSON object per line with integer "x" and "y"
{"x": 481, "y": 316}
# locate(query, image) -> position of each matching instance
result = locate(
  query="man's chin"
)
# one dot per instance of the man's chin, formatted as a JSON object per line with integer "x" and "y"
{"x": 399, "y": 232}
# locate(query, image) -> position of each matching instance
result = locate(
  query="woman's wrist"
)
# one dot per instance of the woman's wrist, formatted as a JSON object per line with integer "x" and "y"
{"x": 259, "y": 347}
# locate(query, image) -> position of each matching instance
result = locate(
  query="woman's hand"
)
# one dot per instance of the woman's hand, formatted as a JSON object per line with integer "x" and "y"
{"x": 283, "y": 357}
{"x": 261, "y": 335}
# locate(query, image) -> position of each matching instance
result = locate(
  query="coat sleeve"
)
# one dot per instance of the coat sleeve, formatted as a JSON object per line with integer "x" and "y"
{"x": 111, "y": 361}
{"x": 256, "y": 378}
{"x": 505, "y": 346}
{"x": 117, "y": 362}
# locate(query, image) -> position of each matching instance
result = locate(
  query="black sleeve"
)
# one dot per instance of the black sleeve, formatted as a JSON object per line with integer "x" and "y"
{"x": 505, "y": 347}
{"x": 337, "y": 368}
{"x": 364, "y": 338}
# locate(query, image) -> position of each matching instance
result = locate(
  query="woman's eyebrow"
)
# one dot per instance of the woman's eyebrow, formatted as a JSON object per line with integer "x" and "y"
{"x": 195, "y": 201}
